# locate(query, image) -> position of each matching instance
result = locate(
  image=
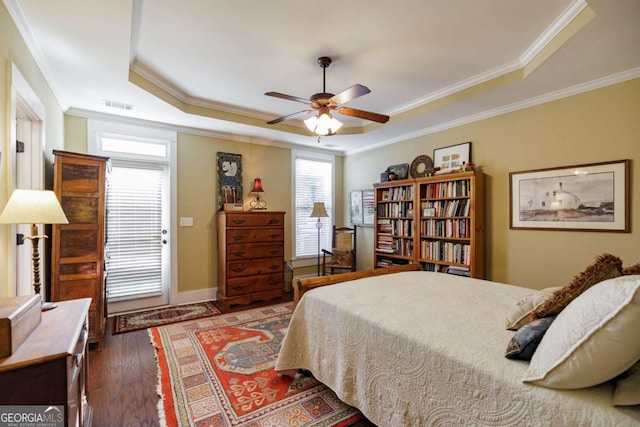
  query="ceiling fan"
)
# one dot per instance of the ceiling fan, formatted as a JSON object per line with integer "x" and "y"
{"x": 323, "y": 102}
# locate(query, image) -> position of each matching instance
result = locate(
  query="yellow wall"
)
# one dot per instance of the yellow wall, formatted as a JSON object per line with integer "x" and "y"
{"x": 14, "y": 50}
{"x": 197, "y": 198}
{"x": 597, "y": 126}
{"x": 197, "y": 195}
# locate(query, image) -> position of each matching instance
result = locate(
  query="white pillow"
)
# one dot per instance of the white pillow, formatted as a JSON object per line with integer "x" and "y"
{"x": 519, "y": 315}
{"x": 628, "y": 388}
{"x": 594, "y": 339}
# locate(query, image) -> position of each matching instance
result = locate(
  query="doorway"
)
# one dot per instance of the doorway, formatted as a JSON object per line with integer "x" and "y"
{"x": 140, "y": 254}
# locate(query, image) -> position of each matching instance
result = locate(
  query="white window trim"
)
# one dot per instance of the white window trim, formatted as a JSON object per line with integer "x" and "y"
{"x": 311, "y": 155}
{"x": 96, "y": 128}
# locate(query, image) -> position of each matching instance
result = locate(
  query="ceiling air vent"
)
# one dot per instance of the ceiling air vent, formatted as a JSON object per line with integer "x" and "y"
{"x": 117, "y": 105}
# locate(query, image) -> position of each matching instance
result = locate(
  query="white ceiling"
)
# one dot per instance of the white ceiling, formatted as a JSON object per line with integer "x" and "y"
{"x": 204, "y": 65}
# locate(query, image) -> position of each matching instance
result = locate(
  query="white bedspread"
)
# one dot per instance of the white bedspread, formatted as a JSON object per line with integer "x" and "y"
{"x": 427, "y": 349}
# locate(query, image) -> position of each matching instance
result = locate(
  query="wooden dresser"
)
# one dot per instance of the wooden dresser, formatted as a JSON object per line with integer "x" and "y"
{"x": 50, "y": 366}
{"x": 77, "y": 248}
{"x": 250, "y": 256}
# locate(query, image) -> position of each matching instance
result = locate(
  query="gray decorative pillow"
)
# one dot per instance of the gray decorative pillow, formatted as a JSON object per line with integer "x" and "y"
{"x": 526, "y": 340}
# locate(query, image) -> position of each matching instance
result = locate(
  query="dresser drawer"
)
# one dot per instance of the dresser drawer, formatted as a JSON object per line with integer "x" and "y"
{"x": 255, "y": 235}
{"x": 253, "y": 267}
{"x": 255, "y": 220}
{"x": 249, "y": 285}
{"x": 256, "y": 250}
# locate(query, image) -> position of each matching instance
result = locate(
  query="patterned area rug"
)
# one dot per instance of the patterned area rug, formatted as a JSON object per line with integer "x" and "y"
{"x": 162, "y": 316}
{"x": 218, "y": 371}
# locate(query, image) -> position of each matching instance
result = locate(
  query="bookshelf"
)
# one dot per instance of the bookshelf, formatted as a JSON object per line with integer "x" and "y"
{"x": 394, "y": 223}
{"x": 437, "y": 221}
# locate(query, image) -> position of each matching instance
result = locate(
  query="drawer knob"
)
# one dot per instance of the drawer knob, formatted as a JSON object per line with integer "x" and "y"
{"x": 239, "y": 253}
{"x": 274, "y": 267}
{"x": 241, "y": 237}
{"x": 238, "y": 288}
{"x": 239, "y": 221}
{"x": 274, "y": 236}
{"x": 274, "y": 251}
{"x": 238, "y": 269}
{"x": 273, "y": 221}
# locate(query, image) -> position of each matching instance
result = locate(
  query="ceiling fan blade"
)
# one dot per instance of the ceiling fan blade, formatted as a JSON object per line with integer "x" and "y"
{"x": 374, "y": 117}
{"x": 287, "y": 117}
{"x": 347, "y": 95}
{"x": 288, "y": 97}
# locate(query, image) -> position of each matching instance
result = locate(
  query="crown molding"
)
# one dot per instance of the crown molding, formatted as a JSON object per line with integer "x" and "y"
{"x": 20, "y": 21}
{"x": 613, "y": 79}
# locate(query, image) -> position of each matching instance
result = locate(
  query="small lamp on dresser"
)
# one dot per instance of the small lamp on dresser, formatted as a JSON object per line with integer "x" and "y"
{"x": 258, "y": 204}
{"x": 34, "y": 207}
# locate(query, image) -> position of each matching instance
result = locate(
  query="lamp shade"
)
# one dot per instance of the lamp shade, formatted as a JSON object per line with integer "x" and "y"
{"x": 33, "y": 207}
{"x": 319, "y": 210}
{"x": 257, "y": 186}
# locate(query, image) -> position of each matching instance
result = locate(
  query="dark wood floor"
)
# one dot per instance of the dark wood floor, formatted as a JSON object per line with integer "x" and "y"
{"x": 123, "y": 379}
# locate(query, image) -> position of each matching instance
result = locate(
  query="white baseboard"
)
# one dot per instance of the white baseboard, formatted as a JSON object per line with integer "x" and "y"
{"x": 200, "y": 295}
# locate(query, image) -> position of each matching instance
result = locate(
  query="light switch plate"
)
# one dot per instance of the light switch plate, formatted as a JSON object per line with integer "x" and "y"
{"x": 186, "y": 222}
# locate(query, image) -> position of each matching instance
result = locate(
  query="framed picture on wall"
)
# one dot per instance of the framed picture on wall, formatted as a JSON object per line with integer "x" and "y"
{"x": 369, "y": 207}
{"x": 362, "y": 207}
{"x": 591, "y": 197}
{"x": 229, "y": 179}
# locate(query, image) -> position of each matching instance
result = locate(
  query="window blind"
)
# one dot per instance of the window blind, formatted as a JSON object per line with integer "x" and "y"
{"x": 313, "y": 183}
{"x": 134, "y": 232}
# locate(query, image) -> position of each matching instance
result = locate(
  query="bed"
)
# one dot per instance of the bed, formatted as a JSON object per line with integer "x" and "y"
{"x": 416, "y": 348}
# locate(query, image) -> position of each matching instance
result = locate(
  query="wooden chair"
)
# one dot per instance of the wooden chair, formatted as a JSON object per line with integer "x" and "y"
{"x": 342, "y": 256}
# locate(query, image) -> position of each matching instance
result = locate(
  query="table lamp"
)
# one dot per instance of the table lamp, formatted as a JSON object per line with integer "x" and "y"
{"x": 34, "y": 207}
{"x": 258, "y": 204}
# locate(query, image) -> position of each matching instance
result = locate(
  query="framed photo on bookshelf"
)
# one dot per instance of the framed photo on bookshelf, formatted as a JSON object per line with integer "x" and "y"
{"x": 452, "y": 157}
{"x": 589, "y": 197}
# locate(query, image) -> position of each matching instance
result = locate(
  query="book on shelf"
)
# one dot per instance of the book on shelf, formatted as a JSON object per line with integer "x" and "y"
{"x": 458, "y": 271}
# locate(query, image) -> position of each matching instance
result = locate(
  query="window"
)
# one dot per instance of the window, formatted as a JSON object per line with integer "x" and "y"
{"x": 313, "y": 182}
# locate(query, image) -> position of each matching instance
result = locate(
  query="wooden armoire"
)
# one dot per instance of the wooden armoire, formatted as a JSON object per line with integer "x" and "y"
{"x": 77, "y": 248}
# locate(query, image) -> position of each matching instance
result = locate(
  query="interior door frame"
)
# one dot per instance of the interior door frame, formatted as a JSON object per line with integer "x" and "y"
{"x": 23, "y": 101}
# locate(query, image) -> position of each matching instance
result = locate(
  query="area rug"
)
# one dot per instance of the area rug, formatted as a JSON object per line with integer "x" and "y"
{"x": 162, "y": 316}
{"x": 218, "y": 371}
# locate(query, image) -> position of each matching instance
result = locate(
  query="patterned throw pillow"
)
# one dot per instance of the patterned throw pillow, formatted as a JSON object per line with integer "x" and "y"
{"x": 520, "y": 314}
{"x": 606, "y": 266}
{"x": 341, "y": 258}
{"x": 526, "y": 340}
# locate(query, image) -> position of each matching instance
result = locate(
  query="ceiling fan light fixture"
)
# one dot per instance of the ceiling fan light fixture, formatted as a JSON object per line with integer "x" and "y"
{"x": 323, "y": 124}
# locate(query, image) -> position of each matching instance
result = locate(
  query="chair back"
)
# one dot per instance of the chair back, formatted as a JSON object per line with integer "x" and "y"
{"x": 344, "y": 238}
